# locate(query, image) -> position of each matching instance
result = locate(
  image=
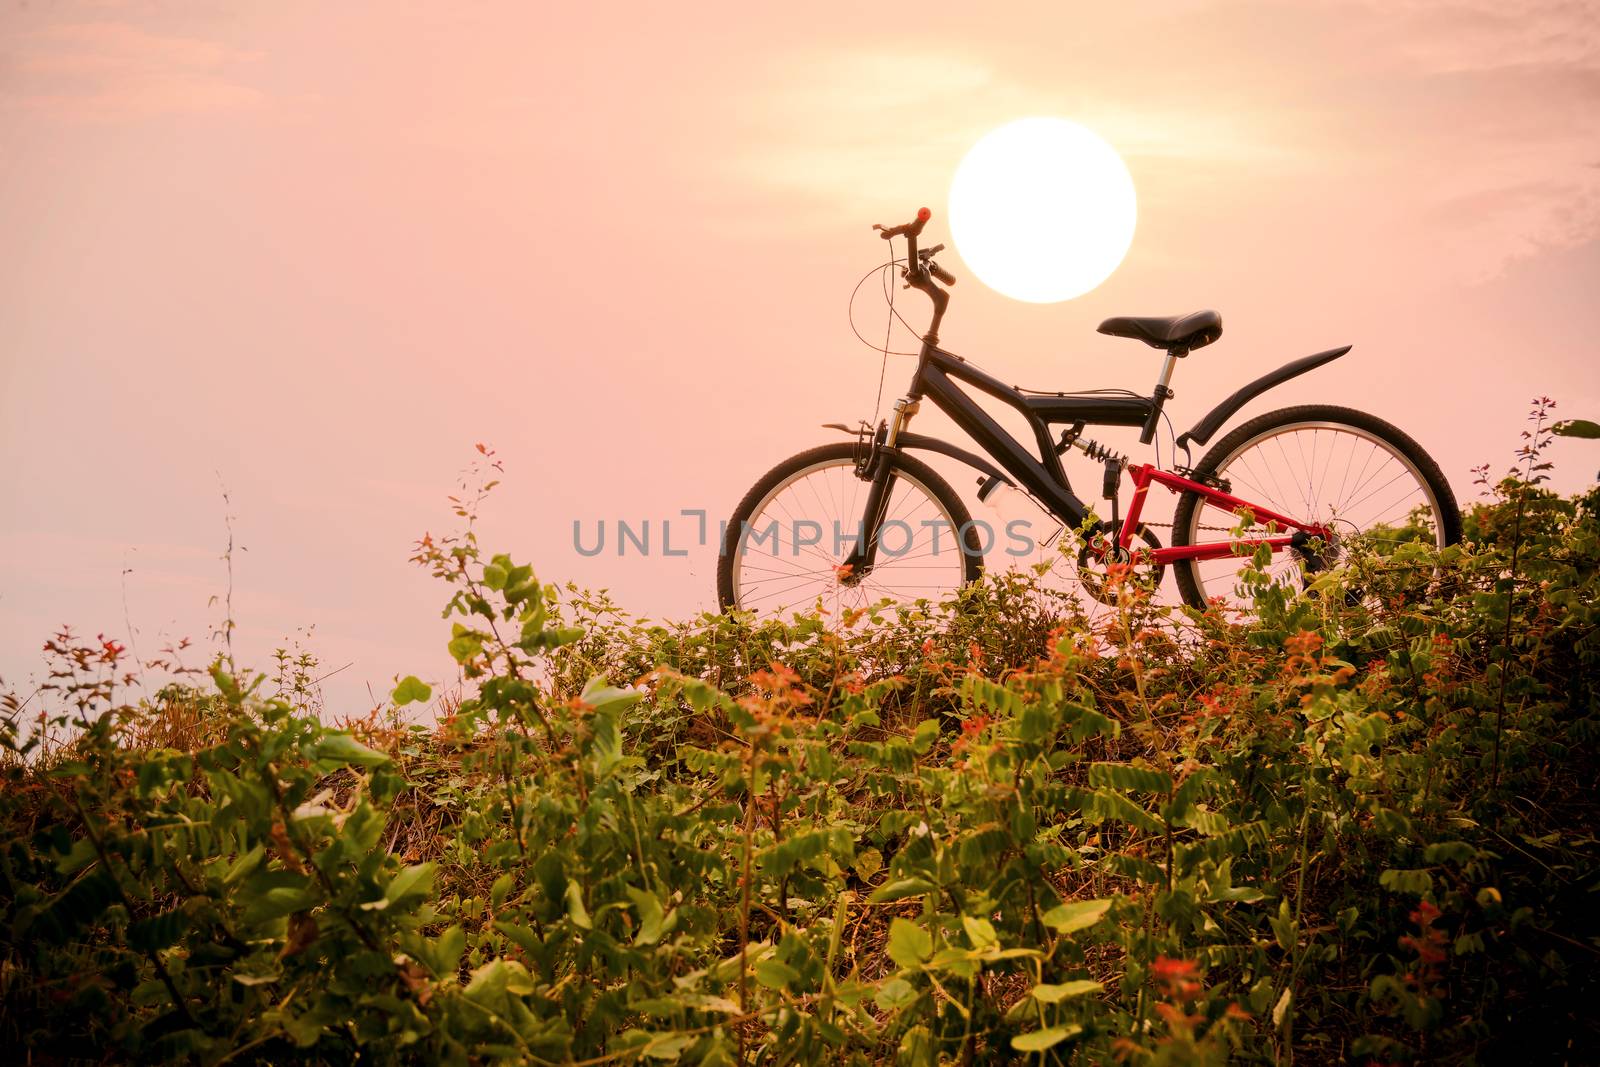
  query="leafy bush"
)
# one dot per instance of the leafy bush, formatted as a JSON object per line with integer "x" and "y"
{"x": 1357, "y": 825}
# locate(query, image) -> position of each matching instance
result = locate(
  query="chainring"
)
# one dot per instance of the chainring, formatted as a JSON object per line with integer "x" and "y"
{"x": 1092, "y": 571}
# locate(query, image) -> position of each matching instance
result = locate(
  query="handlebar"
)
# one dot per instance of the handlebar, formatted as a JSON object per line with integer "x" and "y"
{"x": 920, "y": 268}
{"x": 909, "y": 229}
{"x": 918, "y": 262}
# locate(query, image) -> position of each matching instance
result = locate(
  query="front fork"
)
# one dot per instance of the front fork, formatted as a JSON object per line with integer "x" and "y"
{"x": 876, "y": 466}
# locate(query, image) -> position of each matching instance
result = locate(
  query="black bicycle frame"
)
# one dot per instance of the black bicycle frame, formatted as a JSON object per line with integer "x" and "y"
{"x": 939, "y": 377}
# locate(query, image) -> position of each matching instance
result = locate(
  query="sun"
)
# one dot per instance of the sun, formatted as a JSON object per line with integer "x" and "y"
{"x": 1042, "y": 209}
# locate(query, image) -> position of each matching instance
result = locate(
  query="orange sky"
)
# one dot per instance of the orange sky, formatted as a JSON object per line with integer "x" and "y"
{"x": 314, "y": 252}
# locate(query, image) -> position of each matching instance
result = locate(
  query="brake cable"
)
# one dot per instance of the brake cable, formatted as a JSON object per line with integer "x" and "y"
{"x": 888, "y": 330}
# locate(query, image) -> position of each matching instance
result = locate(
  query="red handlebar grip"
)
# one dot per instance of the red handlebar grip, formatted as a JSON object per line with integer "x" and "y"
{"x": 923, "y": 214}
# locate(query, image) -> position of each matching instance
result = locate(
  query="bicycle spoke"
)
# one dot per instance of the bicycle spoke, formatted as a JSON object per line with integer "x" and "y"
{"x": 1344, "y": 478}
{"x": 785, "y": 570}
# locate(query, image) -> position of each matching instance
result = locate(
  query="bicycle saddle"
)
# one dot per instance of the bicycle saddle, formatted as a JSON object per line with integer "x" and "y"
{"x": 1187, "y": 332}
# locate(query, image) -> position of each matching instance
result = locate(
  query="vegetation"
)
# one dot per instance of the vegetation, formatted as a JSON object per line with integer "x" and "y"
{"x": 1357, "y": 826}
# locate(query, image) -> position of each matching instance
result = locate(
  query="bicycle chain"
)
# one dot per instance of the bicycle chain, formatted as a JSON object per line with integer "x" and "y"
{"x": 1168, "y": 526}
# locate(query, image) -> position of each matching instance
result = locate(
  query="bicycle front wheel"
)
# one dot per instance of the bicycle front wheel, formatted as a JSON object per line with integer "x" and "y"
{"x": 784, "y": 548}
{"x": 1362, "y": 477}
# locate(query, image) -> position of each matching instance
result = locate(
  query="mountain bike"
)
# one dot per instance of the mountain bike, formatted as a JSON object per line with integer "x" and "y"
{"x": 864, "y": 520}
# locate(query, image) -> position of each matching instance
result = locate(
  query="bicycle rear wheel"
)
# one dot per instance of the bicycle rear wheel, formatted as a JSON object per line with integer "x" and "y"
{"x": 1364, "y": 478}
{"x": 787, "y": 541}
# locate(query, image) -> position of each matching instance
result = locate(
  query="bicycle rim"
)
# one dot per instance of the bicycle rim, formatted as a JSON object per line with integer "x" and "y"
{"x": 792, "y": 550}
{"x": 1360, "y": 485}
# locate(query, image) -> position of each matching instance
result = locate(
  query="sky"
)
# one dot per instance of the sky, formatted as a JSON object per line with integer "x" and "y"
{"x": 276, "y": 269}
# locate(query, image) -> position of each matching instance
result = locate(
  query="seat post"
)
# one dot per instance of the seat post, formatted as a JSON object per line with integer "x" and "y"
{"x": 1162, "y": 394}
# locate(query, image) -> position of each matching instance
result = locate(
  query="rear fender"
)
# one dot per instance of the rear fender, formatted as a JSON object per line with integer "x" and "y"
{"x": 1207, "y": 427}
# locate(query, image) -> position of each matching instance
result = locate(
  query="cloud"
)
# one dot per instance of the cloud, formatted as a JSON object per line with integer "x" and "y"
{"x": 106, "y": 71}
{"x": 1469, "y": 126}
{"x": 844, "y": 128}
{"x": 1448, "y": 36}
{"x": 1498, "y": 104}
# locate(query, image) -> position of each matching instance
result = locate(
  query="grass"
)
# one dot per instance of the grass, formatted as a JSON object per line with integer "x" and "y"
{"x": 1355, "y": 826}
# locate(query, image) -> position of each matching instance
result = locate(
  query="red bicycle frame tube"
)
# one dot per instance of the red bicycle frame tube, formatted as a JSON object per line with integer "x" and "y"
{"x": 1145, "y": 473}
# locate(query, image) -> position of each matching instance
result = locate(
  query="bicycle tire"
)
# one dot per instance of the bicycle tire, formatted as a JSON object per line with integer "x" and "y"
{"x": 1239, "y": 440}
{"x": 916, "y": 471}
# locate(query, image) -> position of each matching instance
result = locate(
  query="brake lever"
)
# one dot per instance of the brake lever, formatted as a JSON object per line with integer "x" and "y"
{"x": 928, "y": 265}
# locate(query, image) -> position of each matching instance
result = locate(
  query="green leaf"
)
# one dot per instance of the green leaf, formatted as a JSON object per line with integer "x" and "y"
{"x": 895, "y": 994}
{"x": 411, "y": 691}
{"x": 1284, "y": 927}
{"x": 917, "y": 1048}
{"x": 1113, "y": 805}
{"x": 961, "y": 962}
{"x": 801, "y": 848}
{"x": 1449, "y": 852}
{"x": 717, "y": 1054}
{"x": 926, "y": 733}
{"x": 650, "y": 916}
{"x": 158, "y": 931}
{"x": 668, "y": 1046}
{"x": 226, "y": 683}
{"x": 1417, "y": 882}
{"x": 497, "y": 978}
{"x": 1087, "y": 722}
{"x": 603, "y": 698}
{"x": 448, "y": 950}
{"x": 707, "y": 1002}
{"x": 1127, "y": 776}
{"x": 501, "y": 889}
{"x": 1077, "y": 915}
{"x": 605, "y": 743}
{"x": 1039, "y": 1040}
{"x": 278, "y": 901}
{"x": 466, "y": 645}
{"x": 1576, "y": 428}
{"x": 909, "y": 944}
{"x": 521, "y": 936}
{"x": 980, "y": 932}
{"x": 1280, "y": 1009}
{"x": 575, "y": 909}
{"x": 1055, "y": 994}
{"x": 868, "y": 862}
{"x": 416, "y": 880}
{"x": 244, "y": 865}
{"x": 775, "y": 974}
{"x": 342, "y": 748}
{"x": 79, "y": 856}
{"x": 901, "y": 888}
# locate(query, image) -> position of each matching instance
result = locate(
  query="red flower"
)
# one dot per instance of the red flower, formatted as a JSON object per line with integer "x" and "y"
{"x": 1179, "y": 978}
